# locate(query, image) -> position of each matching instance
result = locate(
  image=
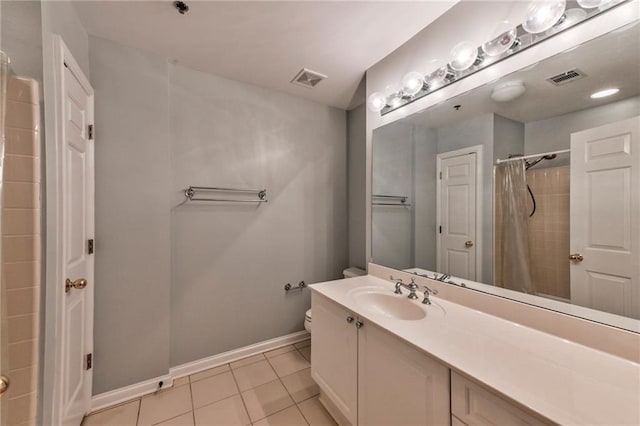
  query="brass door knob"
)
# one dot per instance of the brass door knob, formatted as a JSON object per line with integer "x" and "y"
{"x": 78, "y": 284}
{"x": 576, "y": 257}
{"x": 4, "y": 384}
{"x": 468, "y": 244}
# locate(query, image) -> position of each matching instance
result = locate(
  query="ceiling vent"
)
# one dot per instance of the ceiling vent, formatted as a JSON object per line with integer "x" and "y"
{"x": 308, "y": 78}
{"x": 566, "y": 77}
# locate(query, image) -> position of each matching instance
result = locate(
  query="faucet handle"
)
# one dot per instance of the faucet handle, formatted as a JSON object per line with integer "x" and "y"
{"x": 428, "y": 291}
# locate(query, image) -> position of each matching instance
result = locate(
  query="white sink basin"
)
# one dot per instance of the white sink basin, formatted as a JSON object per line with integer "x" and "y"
{"x": 384, "y": 302}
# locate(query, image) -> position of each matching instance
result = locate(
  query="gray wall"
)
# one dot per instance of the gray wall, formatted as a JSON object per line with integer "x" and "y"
{"x": 21, "y": 25}
{"x": 178, "y": 282}
{"x": 133, "y": 168}
{"x": 426, "y": 147}
{"x": 477, "y": 131}
{"x": 357, "y": 181}
{"x": 508, "y": 137}
{"x": 230, "y": 262}
{"x": 392, "y": 227}
{"x": 554, "y": 133}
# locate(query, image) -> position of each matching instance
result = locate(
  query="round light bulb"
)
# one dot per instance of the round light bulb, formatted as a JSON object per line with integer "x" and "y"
{"x": 376, "y": 102}
{"x": 590, "y": 4}
{"x": 462, "y": 56}
{"x": 500, "y": 44}
{"x": 542, "y": 15}
{"x": 605, "y": 93}
{"x": 412, "y": 83}
{"x": 571, "y": 17}
{"x": 507, "y": 92}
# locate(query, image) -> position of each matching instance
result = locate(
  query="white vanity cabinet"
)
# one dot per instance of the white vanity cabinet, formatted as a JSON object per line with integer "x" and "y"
{"x": 371, "y": 376}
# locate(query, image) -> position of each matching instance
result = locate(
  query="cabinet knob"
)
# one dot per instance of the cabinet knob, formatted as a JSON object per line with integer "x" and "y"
{"x": 350, "y": 319}
{"x": 359, "y": 324}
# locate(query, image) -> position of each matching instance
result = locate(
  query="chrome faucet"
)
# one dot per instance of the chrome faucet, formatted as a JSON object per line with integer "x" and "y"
{"x": 427, "y": 292}
{"x": 412, "y": 287}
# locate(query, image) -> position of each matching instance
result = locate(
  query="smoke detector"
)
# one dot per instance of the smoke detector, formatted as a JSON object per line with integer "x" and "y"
{"x": 308, "y": 78}
{"x": 566, "y": 77}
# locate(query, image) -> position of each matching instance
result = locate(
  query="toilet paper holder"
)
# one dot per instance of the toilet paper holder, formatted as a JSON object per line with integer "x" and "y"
{"x": 300, "y": 286}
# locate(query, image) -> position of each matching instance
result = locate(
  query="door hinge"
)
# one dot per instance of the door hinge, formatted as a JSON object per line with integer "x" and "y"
{"x": 440, "y": 229}
{"x": 440, "y": 175}
{"x": 90, "y": 246}
{"x": 89, "y": 361}
{"x": 90, "y": 132}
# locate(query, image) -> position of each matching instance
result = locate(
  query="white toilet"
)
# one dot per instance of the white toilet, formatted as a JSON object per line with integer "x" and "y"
{"x": 347, "y": 273}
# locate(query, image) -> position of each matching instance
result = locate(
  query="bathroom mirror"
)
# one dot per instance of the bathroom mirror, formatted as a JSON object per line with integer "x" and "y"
{"x": 446, "y": 204}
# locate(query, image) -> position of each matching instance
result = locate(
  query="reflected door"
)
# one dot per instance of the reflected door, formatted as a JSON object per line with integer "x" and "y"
{"x": 457, "y": 215}
{"x": 605, "y": 207}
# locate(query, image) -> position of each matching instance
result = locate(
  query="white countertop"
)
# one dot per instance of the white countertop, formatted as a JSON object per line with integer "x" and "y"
{"x": 565, "y": 382}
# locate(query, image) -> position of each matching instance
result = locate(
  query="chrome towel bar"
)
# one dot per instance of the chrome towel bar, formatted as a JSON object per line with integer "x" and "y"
{"x": 260, "y": 194}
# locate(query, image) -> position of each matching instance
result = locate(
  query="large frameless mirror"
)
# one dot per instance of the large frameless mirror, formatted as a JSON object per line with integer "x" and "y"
{"x": 526, "y": 187}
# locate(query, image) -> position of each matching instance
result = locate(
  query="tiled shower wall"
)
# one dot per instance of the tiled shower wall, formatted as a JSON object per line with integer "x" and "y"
{"x": 549, "y": 231}
{"x": 21, "y": 246}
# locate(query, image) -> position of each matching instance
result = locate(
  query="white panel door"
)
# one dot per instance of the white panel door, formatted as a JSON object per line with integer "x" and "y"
{"x": 457, "y": 208}
{"x": 77, "y": 227}
{"x": 605, "y": 218}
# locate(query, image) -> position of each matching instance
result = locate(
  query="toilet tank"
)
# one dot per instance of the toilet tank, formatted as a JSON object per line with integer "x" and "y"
{"x": 353, "y": 272}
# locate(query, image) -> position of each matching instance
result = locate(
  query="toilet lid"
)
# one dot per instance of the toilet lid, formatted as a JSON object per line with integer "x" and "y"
{"x": 307, "y": 315}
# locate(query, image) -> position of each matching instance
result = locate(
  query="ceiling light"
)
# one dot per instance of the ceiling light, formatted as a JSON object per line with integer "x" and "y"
{"x": 463, "y": 55}
{"x": 507, "y": 92}
{"x": 500, "y": 44}
{"x": 412, "y": 83}
{"x": 437, "y": 73}
{"x": 542, "y": 15}
{"x": 605, "y": 93}
{"x": 589, "y": 4}
{"x": 376, "y": 102}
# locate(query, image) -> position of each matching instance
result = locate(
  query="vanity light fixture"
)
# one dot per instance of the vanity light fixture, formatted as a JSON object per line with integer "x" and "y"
{"x": 508, "y": 91}
{"x": 412, "y": 83}
{"x": 463, "y": 56}
{"x": 542, "y": 15}
{"x": 500, "y": 44}
{"x": 544, "y": 19}
{"x": 376, "y": 102}
{"x": 605, "y": 93}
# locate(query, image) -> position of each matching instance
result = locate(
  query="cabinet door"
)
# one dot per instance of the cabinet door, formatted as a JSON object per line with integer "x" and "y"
{"x": 476, "y": 406}
{"x": 334, "y": 354}
{"x": 397, "y": 384}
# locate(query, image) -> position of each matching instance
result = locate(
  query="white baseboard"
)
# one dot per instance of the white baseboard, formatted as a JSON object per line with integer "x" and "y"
{"x": 127, "y": 393}
{"x": 236, "y": 354}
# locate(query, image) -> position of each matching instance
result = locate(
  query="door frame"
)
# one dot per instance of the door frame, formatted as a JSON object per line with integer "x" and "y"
{"x": 478, "y": 150}
{"x": 60, "y": 59}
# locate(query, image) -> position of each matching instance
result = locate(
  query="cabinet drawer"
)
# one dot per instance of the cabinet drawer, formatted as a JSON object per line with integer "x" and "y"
{"x": 475, "y": 405}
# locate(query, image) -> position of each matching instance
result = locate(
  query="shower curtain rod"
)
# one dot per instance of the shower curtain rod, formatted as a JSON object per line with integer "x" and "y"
{"x": 526, "y": 157}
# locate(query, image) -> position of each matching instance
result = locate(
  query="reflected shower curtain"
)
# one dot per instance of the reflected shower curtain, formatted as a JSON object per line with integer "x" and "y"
{"x": 512, "y": 238}
{"x": 4, "y": 342}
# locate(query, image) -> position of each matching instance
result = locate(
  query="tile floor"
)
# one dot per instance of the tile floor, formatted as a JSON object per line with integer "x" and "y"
{"x": 272, "y": 388}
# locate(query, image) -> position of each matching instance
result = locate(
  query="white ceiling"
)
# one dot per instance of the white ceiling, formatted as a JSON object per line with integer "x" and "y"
{"x": 266, "y": 43}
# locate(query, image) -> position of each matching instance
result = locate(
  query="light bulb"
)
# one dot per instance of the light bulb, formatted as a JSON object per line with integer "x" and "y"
{"x": 542, "y": 15}
{"x": 412, "y": 83}
{"x": 589, "y": 4}
{"x": 500, "y": 44}
{"x": 436, "y": 75}
{"x": 376, "y": 102}
{"x": 462, "y": 56}
{"x": 571, "y": 17}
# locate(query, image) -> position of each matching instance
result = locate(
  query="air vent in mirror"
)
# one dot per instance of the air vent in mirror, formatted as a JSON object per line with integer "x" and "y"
{"x": 566, "y": 77}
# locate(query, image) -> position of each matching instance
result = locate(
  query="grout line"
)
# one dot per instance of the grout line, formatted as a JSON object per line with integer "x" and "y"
{"x": 244, "y": 404}
{"x": 295, "y": 404}
{"x": 193, "y": 408}
{"x": 139, "y": 409}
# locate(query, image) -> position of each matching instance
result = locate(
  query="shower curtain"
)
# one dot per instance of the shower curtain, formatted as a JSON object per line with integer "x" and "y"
{"x": 4, "y": 343}
{"x": 513, "y": 267}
